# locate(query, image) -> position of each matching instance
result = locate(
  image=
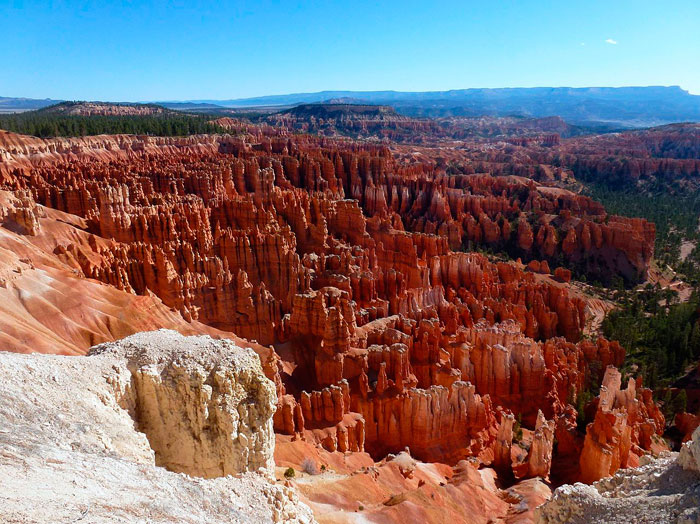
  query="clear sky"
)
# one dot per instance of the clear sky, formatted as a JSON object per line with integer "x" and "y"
{"x": 141, "y": 50}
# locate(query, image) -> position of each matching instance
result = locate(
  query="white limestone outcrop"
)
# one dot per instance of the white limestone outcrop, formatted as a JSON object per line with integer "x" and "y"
{"x": 81, "y": 438}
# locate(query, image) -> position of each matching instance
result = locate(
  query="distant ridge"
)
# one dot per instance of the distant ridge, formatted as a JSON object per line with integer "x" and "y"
{"x": 627, "y": 106}
{"x": 618, "y": 106}
{"x": 453, "y": 94}
{"x": 17, "y": 105}
{"x": 338, "y": 109}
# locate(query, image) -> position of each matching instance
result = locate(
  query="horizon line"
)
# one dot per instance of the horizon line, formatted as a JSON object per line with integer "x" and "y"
{"x": 364, "y": 91}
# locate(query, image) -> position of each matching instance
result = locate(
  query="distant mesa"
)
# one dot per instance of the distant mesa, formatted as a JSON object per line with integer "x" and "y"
{"x": 189, "y": 105}
{"x": 335, "y": 109}
{"x": 344, "y": 100}
{"x": 106, "y": 109}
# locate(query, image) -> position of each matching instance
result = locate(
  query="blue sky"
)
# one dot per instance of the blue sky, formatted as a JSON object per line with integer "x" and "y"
{"x": 135, "y": 51}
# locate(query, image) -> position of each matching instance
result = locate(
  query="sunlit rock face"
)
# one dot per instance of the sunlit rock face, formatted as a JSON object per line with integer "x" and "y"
{"x": 112, "y": 433}
{"x": 665, "y": 489}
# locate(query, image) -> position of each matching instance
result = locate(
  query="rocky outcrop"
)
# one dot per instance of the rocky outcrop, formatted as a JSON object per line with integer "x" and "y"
{"x": 204, "y": 404}
{"x": 665, "y": 490}
{"x": 686, "y": 424}
{"x": 400, "y": 489}
{"x": 96, "y": 429}
{"x": 20, "y": 213}
{"x": 538, "y": 460}
{"x": 626, "y": 423}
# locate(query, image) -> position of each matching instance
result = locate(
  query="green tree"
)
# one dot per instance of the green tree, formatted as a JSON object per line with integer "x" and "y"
{"x": 679, "y": 403}
{"x": 694, "y": 342}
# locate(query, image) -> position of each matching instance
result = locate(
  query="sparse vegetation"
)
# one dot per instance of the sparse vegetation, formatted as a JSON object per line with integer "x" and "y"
{"x": 289, "y": 473}
{"x": 661, "y": 337}
{"x": 581, "y": 402}
{"x": 518, "y": 429}
{"x": 308, "y": 465}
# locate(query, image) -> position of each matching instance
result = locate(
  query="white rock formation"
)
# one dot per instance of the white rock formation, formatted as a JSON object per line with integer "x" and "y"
{"x": 661, "y": 491}
{"x": 81, "y": 437}
{"x": 204, "y": 404}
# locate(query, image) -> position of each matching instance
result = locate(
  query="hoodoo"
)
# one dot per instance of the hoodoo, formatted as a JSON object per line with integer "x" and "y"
{"x": 386, "y": 334}
{"x": 475, "y": 306}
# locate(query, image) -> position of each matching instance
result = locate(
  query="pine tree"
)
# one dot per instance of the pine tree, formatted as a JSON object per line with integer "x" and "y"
{"x": 685, "y": 352}
{"x": 694, "y": 342}
{"x": 679, "y": 403}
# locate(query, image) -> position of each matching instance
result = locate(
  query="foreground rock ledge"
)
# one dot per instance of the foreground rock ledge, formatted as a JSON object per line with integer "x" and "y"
{"x": 661, "y": 491}
{"x": 80, "y": 437}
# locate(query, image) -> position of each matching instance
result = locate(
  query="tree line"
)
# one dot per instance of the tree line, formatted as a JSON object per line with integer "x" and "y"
{"x": 52, "y": 125}
{"x": 662, "y": 338}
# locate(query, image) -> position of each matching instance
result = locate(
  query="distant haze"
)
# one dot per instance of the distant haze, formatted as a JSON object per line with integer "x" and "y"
{"x": 626, "y": 106}
{"x": 635, "y": 106}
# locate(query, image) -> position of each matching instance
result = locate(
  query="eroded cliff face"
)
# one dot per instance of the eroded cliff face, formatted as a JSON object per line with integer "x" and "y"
{"x": 47, "y": 306}
{"x": 665, "y": 155}
{"x": 204, "y": 404}
{"x": 626, "y": 423}
{"x": 347, "y": 259}
{"x": 95, "y": 429}
{"x": 355, "y": 120}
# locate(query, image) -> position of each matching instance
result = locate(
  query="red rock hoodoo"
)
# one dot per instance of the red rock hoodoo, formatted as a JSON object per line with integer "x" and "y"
{"x": 355, "y": 265}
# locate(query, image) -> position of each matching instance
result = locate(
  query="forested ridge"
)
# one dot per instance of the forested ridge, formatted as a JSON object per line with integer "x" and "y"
{"x": 661, "y": 334}
{"x": 46, "y": 125}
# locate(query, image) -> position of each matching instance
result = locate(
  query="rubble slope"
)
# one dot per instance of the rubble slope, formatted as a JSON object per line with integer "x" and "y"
{"x": 661, "y": 491}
